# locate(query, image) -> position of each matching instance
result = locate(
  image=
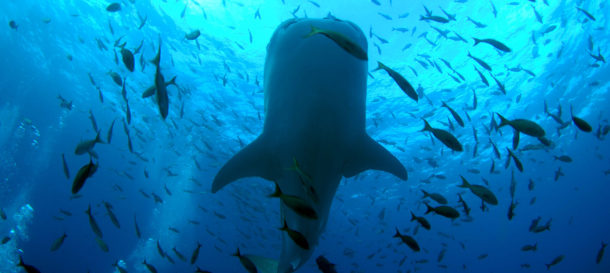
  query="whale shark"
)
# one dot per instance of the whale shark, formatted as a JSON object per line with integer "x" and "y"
{"x": 314, "y": 127}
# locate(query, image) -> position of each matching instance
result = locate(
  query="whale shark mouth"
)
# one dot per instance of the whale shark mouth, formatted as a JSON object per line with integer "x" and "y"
{"x": 314, "y": 129}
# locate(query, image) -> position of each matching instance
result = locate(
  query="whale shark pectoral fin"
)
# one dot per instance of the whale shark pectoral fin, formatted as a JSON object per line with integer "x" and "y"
{"x": 367, "y": 155}
{"x": 253, "y": 160}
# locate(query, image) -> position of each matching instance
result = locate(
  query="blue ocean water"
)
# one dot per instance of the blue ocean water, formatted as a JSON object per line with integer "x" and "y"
{"x": 53, "y": 48}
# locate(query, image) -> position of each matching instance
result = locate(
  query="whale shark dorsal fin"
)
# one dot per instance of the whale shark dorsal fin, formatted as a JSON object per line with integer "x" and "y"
{"x": 253, "y": 160}
{"x": 370, "y": 155}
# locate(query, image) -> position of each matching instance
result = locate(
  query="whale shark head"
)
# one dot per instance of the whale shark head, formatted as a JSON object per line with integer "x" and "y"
{"x": 314, "y": 131}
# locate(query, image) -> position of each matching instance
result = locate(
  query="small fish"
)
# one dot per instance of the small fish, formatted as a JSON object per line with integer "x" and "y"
{"x": 445, "y": 211}
{"x": 66, "y": 171}
{"x": 65, "y": 212}
{"x": 87, "y": 146}
{"x": 404, "y": 85}
{"x": 580, "y": 123}
{"x": 436, "y": 197}
{"x": 150, "y": 267}
{"x": 480, "y": 62}
{"x": 494, "y": 43}
{"x": 135, "y": 223}
{"x": 600, "y": 253}
{"x": 525, "y": 126}
{"x": 178, "y": 254}
{"x": 58, "y": 242}
{"x": 533, "y": 247}
{"x": 94, "y": 226}
{"x": 445, "y": 137}
{"x": 195, "y": 254}
{"x": 421, "y": 220}
{"x": 563, "y": 158}
{"x": 437, "y": 19}
{"x": 558, "y": 174}
{"x": 161, "y": 90}
{"x": 83, "y": 173}
{"x": 407, "y": 240}
{"x": 113, "y": 218}
{"x": 586, "y": 13}
{"x": 153, "y": 89}
{"x": 296, "y": 236}
{"x": 103, "y": 246}
{"x": 555, "y": 261}
{"x": 455, "y": 115}
{"x": 192, "y": 35}
{"x": 464, "y": 205}
{"x": 324, "y": 265}
{"x": 342, "y": 41}
{"x": 297, "y": 204}
{"x": 160, "y": 250}
{"x": 482, "y": 192}
{"x": 114, "y": 7}
{"x": 13, "y": 25}
{"x": 245, "y": 262}
{"x": 116, "y": 78}
{"x": 173, "y": 229}
{"x": 128, "y": 59}
{"x": 482, "y": 77}
{"x": 515, "y": 159}
{"x": 511, "y": 209}
{"x": 109, "y": 135}
{"x": 476, "y": 23}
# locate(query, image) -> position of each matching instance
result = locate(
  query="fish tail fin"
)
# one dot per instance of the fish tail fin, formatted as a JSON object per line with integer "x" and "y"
{"x": 476, "y": 41}
{"x": 426, "y": 194}
{"x": 427, "y": 126}
{"x": 444, "y": 104}
{"x": 284, "y": 227}
{"x": 413, "y": 217}
{"x": 379, "y": 66}
{"x": 157, "y": 59}
{"x": 604, "y": 244}
{"x": 535, "y": 246}
{"x": 503, "y": 120}
{"x": 465, "y": 183}
{"x": 428, "y": 208}
{"x": 278, "y": 191}
{"x": 397, "y": 234}
{"x": 314, "y": 31}
{"x": 88, "y": 211}
{"x": 422, "y": 18}
{"x": 548, "y": 266}
{"x": 98, "y": 139}
{"x": 236, "y": 254}
{"x": 20, "y": 261}
{"x": 172, "y": 81}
